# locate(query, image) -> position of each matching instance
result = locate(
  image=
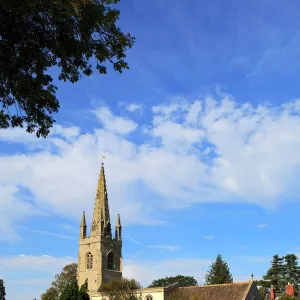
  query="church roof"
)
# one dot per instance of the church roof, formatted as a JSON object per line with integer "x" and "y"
{"x": 230, "y": 291}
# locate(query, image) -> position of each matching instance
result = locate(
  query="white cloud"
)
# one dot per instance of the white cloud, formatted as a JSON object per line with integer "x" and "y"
{"x": 60, "y": 236}
{"x": 115, "y": 124}
{"x": 165, "y": 247}
{"x": 33, "y": 274}
{"x": 208, "y": 237}
{"x": 43, "y": 263}
{"x": 201, "y": 151}
{"x": 133, "y": 107}
{"x": 263, "y": 225}
{"x": 134, "y": 240}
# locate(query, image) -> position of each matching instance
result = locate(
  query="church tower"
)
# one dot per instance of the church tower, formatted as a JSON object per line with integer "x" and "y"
{"x": 100, "y": 254}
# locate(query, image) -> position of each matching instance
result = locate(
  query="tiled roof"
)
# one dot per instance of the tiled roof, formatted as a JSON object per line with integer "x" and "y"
{"x": 230, "y": 291}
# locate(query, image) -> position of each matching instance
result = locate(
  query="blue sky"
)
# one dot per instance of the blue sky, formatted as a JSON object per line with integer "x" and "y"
{"x": 201, "y": 138}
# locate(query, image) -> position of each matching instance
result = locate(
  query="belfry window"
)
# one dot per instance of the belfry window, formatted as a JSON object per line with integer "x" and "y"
{"x": 149, "y": 297}
{"x": 110, "y": 261}
{"x": 89, "y": 261}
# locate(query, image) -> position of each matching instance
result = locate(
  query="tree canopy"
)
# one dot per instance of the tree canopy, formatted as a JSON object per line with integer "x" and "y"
{"x": 121, "y": 289}
{"x": 219, "y": 272}
{"x": 65, "y": 286}
{"x": 283, "y": 270}
{"x": 180, "y": 279}
{"x": 2, "y": 290}
{"x": 71, "y": 37}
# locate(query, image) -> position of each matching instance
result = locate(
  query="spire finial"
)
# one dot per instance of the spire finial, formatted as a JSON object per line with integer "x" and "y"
{"x": 252, "y": 276}
{"x": 83, "y": 226}
{"x": 118, "y": 229}
{"x": 83, "y": 221}
{"x": 101, "y": 209}
{"x": 118, "y": 224}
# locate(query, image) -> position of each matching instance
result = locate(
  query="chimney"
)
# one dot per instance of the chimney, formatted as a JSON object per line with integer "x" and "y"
{"x": 289, "y": 289}
{"x": 272, "y": 293}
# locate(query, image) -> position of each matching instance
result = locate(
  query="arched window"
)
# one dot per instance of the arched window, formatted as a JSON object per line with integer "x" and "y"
{"x": 110, "y": 261}
{"x": 148, "y": 297}
{"x": 89, "y": 261}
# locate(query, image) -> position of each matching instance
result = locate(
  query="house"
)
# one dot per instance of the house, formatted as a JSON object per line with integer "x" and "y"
{"x": 273, "y": 295}
{"x": 230, "y": 291}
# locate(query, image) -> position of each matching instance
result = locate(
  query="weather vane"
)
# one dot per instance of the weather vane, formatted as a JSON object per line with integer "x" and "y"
{"x": 102, "y": 158}
{"x": 252, "y": 276}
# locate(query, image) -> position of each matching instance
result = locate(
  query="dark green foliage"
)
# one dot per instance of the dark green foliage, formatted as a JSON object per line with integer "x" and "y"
{"x": 50, "y": 294}
{"x": 70, "y": 292}
{"x": 292, "y": 270}
{"x": 37, "y": 35}
{"x": 83, "y": 293}
{"x": 121, "y": 289}
{"x": 275, "y": 275}
{"x": 283, "y": 270}
{"x": 2, "y": 290}
{"x": 219, "y": 272}
{"x": 180, "y": 279}
{"x": 65, "y": 285}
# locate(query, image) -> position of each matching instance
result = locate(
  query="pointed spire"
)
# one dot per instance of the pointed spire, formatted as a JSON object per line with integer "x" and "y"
{"x": 83, "y": 226}
{"x": 118, "y": 224}
{"x": 118, "y": 228}
{"x": 101, "y": 209}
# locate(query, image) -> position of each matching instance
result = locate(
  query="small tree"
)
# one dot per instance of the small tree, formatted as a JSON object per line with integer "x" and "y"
{"x": 2, "y": 290}
{"x": 121, "y": 289}
{"x": 292, "y": 270}
{"x": 219, "y": 272}
{"x": 180, "y": 279}
{"x": 65, "y": 280}
{"x": 50, "y": 294}
{"x": 275, "y": 275}
{"x": 70, "y": 291}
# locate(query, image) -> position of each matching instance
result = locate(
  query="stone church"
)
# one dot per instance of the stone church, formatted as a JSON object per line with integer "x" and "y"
{"x": 100, "y": 253}
{"x": 100, "y": 259}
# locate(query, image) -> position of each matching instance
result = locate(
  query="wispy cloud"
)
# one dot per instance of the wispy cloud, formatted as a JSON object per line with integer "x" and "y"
{"x": 209, "y": 237}
{"x": 165, "y": 247}
{"x": 60, "y": 236}
{"x": 133, "y": 107}
{"x": 133, "y": 240}
{"x": 263, "y": 225}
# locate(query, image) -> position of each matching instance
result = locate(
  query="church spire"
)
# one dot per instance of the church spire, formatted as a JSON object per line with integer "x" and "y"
{"x": 101, "y": 218}
{"x": 83, "y": 226}
{"x": 118, "y": 229}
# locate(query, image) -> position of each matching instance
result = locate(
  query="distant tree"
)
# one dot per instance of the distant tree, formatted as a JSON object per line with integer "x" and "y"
{"x": 83, "y": 293}
{"x": 50, "y": 294}
{"x": 292, "y": 271}
{"x": 37, "y": 36}
{"x": 275, "y": 275}
{"x": 2, "y": 290}
{"x": 70, "y": 291}
{"x": 180, "y": 279}
{"x": 219, "y": 272}
{"x": 121, "y": 289}
{"x": 66, "y": 279}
